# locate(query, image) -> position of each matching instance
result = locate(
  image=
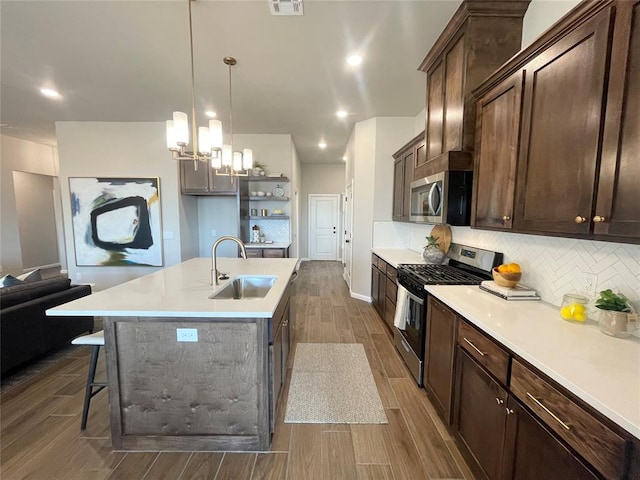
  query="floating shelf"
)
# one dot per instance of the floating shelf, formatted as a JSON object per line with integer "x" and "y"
{"x": 265, "y": 179}
{"x": 265, "y": 198}
{"x": 268, "y": 217}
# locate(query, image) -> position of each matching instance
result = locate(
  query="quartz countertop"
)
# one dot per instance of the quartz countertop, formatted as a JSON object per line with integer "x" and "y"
{"x": 601, "y": 370}
{"x": 182, "y": 291}
{"x": 396, "y": 256}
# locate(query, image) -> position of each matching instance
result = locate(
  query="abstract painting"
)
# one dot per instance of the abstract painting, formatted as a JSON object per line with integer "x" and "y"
{"x": 116, "y": 221}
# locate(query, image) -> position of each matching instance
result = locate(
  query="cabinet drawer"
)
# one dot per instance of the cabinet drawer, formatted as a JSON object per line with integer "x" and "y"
{"x": 273, "y": 253}
{"x": 484, "y": 351}
{"x": 392, "y": 290}
{"x": 598, "y": 444}
{"x": 392, "y": 273}
{"x": 254, "y": 253}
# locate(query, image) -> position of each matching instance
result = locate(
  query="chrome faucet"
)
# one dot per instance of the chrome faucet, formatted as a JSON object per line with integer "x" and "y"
{"x": 214, "y": 260}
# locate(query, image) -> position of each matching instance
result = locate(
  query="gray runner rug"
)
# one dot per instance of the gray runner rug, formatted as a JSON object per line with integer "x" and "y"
{"x": 333, "y": 383}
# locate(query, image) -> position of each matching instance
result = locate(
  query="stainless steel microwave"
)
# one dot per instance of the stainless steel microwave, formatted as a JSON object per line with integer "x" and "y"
{"x": 444, "y": 197}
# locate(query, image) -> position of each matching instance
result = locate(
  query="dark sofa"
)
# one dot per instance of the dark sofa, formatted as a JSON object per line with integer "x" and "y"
{"x": 25, "y": 330}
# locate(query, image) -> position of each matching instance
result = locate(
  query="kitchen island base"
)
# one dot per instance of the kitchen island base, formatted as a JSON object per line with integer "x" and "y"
{"x": 206, "y": 391}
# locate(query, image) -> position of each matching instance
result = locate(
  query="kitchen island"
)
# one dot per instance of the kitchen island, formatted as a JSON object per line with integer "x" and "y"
{"x": 188, "y": 372}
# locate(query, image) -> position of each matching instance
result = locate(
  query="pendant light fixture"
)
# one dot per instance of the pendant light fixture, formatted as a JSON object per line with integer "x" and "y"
{"x": 206, "y": 142}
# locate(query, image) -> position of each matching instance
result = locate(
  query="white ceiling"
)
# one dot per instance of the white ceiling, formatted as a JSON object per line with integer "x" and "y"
{"x": 123, "y": 60}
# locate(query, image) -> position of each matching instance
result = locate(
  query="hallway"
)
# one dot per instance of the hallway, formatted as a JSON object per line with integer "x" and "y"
{"x": 41, "y": 438}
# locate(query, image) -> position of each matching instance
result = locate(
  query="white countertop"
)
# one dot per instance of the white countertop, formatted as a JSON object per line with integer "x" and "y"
{"x": 396, "y": 256}
{"x": 268, "y": 245}
{"x": 183, "y": 290}
{"x": 601, "y": 370}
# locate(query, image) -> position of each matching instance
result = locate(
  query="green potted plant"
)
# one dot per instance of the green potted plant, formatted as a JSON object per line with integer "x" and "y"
{"x": 258, "y": 169}
{"x": 432, "y": 252}
{"x": 616, "y": 317}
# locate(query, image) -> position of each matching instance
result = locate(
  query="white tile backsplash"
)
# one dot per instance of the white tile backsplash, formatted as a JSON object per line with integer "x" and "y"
{"x": 551, "y": 265}
{"x": 274, "y": 229}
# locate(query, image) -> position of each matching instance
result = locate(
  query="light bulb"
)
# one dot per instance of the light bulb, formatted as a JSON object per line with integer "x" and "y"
{"x": 204, "y": 140}
{"x": 237, "y": 161}
{"x": 215, "y": 133}
{"x": 181, "y": 127}
{"x": 226, "y": 155}
{"x": 171, "y": 136}
{"x": 247, "y": 159}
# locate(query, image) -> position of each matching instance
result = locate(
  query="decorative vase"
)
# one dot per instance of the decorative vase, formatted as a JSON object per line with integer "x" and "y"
{"x": 433, "y": 254}
{"x": 617, "y": 324}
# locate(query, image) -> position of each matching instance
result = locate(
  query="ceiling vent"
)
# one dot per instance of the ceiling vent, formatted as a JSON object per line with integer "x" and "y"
{"x": 285, "y": 7}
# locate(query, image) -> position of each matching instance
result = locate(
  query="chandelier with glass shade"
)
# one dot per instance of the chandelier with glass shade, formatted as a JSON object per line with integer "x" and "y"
{"x": 206, "y": 142}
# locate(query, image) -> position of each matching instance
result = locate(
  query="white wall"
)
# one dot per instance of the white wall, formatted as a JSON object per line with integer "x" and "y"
{"x": 35, "y": 207}
{"x": 370, "y": 163}
{"x": 540, "y": 15}
{"x": 112, "y": 149}
{"x": 24, "y": 156}
{"x": 317, "y": 179}
{"x": 296, "y": 188}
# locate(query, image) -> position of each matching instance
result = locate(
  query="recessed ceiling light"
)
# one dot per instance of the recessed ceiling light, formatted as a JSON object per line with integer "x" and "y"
{"x": 47, "y": 92}
{"x": 341, "y": 113}
{"x": 211, "y": 114}
{"x": 354, "y": 60}
{"x": 322, "y": 144}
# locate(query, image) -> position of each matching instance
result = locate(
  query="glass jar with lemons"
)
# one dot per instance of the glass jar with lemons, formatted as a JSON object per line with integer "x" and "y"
{"x": 574, "y": 307}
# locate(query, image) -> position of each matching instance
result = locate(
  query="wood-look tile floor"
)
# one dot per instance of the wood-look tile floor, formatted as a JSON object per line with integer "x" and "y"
{"x": 40, "y": 418}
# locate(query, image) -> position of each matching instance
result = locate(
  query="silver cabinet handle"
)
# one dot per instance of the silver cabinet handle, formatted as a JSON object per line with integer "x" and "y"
{"x": 499, "y": 401}
{"x": 599, "y": 219}
{"x": 579, "y": 219}
{"x": 506, "y": 217}
{"x": 509, "y": 410}
{"x": 474, "y": 347}
{"x": 566, "y": 426}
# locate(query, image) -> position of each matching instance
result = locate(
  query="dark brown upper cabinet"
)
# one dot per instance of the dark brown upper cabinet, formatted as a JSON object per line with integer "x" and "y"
{"x": 480, "y": 37}
{"x": 574, "y": 128}
{"x": 198, "y": 178}
{"x": 496, "y": 154}
{"x": 405, "y": 162}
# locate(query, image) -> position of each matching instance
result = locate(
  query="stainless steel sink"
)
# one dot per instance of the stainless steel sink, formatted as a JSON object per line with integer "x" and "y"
{"x": 245, "y": 288}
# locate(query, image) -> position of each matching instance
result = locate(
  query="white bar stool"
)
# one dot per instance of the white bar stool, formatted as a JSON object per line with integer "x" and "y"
{"x": 95, "y": 340}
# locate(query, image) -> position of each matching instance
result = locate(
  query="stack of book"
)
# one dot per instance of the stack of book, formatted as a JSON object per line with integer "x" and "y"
{"x": 519, "y": 292}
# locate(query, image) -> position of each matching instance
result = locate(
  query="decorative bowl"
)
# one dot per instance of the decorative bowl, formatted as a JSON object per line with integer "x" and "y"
{"x": 269, "y": 194}
{"x": 261, "y": 194}
{"x": 253, "y": 194}
{"x": 508, "y": 280}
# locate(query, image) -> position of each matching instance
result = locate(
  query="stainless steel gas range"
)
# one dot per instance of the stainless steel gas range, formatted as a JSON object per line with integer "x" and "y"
{"x": 466, "y": 266}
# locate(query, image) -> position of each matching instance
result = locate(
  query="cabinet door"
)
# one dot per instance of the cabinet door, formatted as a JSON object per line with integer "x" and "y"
{"x": 375, "y": 284}
{"x": 382, "y": 293}
{"x": 398, "y": 190}
{"x": 496, "y": 154}
{"x": 440, "y": 341}
{"x": 480, "y": 414}
{"x": 276, "y": 372}
{"x": 454, "y": 96}
{"x": 273, "y": 253}
{"x": 435, "y": 110}
{"x": 194, "y": 177}
{"x": 223, "y": 184}
{"x": 617, "y": 211}
{"x": 410, "y": 164}
{"x": 533, "y": 453}
{"x": 563, "y": 97}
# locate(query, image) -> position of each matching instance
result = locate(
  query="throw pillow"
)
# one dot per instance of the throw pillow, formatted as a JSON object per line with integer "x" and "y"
{"x": 9, "y": 281}
{"x": 32, "y": 276}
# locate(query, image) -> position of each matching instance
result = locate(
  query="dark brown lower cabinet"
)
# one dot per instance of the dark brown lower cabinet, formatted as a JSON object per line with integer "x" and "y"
{"x": 480, "y": 415}
{"x": 439, "y": 355}
{"x": 532, "y": 452}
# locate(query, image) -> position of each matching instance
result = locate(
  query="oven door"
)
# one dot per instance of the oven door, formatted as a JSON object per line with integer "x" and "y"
{"x": 427, "y": 199}
{"x": 410, "y": 341}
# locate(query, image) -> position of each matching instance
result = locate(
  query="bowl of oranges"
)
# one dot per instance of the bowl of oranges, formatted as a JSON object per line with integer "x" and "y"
{"x": 507, "y": 275}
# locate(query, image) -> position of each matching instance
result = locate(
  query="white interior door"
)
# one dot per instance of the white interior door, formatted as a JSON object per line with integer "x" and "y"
{"x": 348, "y": 228}
{"x": 323, "y": 227}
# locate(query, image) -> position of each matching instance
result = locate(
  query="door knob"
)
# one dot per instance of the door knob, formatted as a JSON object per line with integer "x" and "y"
{"x": 580, "y": 219}
{"x": 599, "y": 219}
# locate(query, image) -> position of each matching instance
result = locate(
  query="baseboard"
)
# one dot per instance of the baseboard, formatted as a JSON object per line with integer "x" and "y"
{"x": 357, "y": 296}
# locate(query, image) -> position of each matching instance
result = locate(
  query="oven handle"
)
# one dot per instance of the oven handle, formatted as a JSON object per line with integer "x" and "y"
{"x": 416, "y": 299}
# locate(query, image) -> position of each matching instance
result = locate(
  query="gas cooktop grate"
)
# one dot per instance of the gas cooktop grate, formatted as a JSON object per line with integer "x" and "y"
{"x": 439, "y": 274}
